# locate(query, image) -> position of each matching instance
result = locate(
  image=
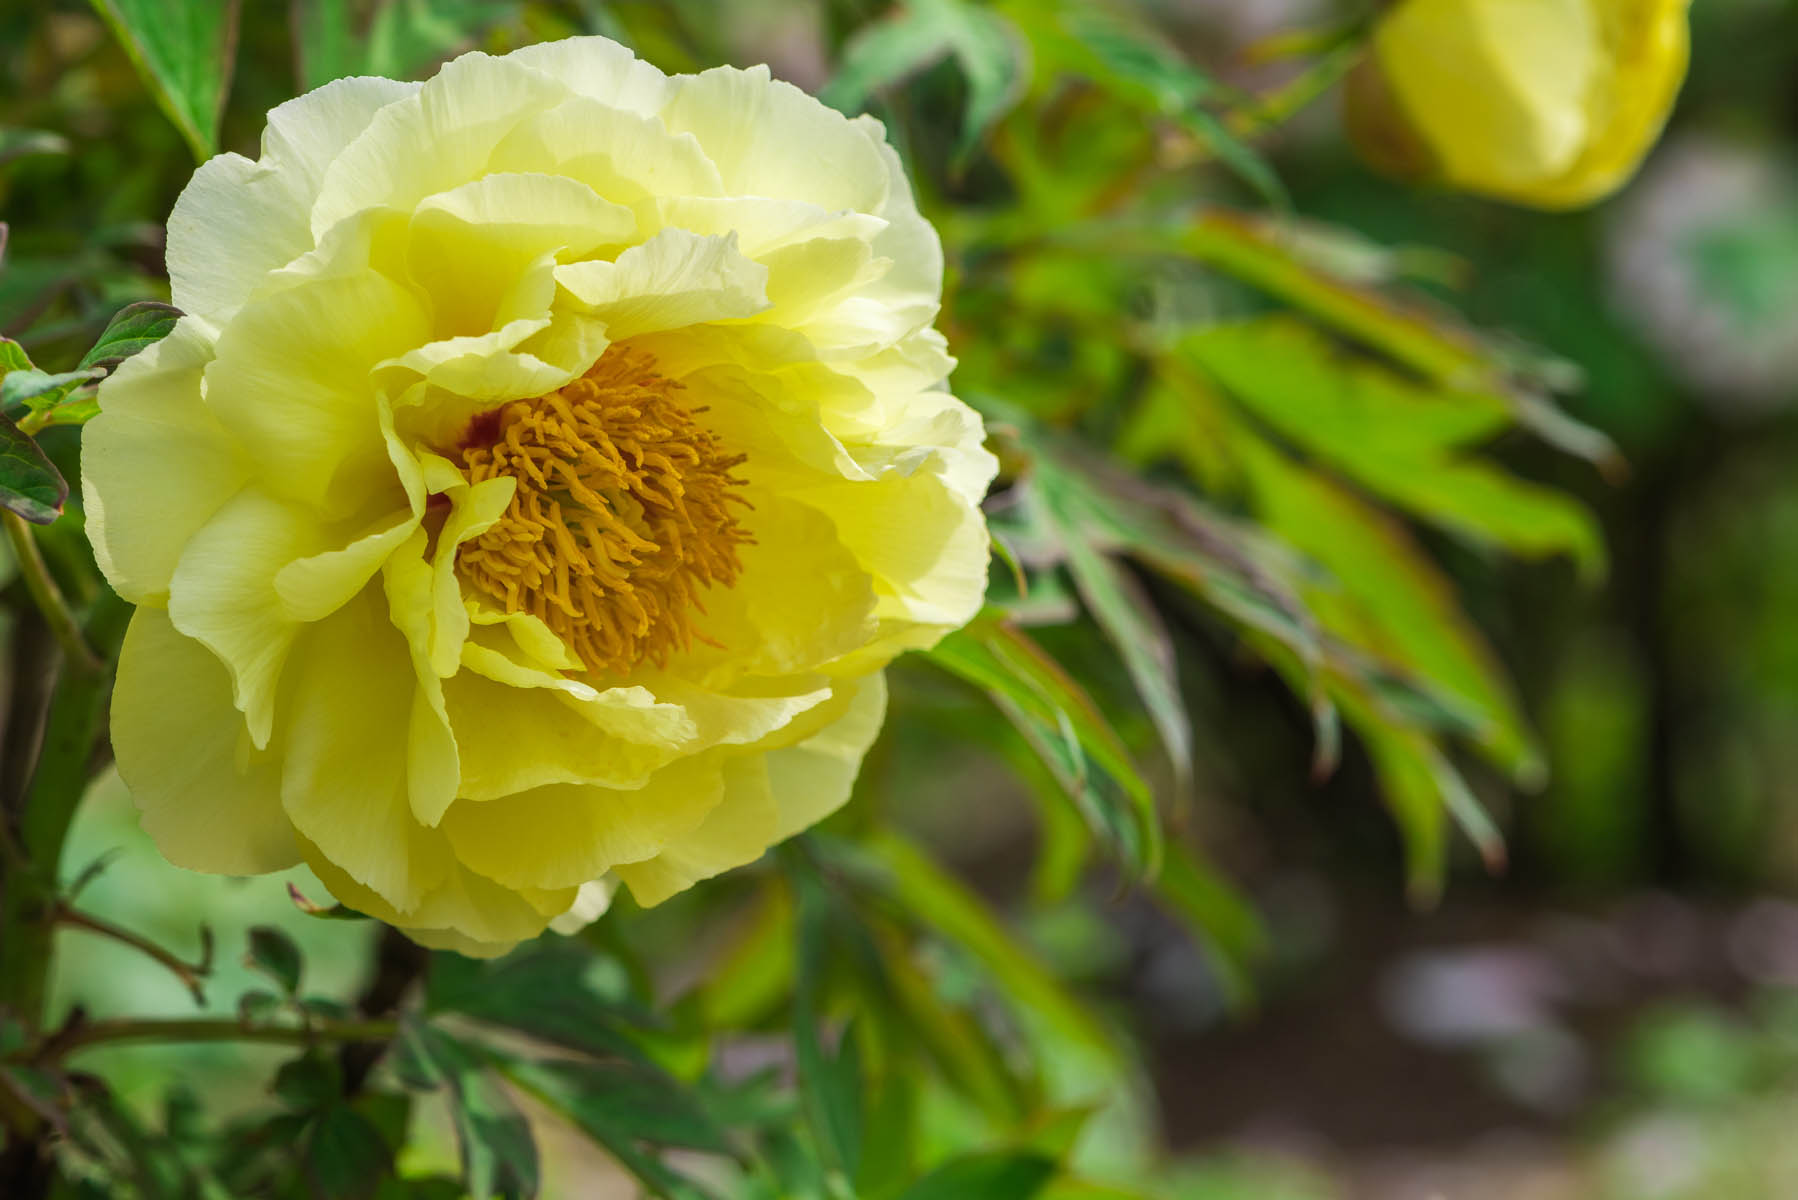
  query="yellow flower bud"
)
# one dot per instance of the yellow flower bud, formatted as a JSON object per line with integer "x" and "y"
{"x": 1548, "y": 103}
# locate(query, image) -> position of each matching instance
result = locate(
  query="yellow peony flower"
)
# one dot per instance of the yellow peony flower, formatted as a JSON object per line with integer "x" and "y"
{"x": 550, "y": 459}
{"x": 1549, "y": 103}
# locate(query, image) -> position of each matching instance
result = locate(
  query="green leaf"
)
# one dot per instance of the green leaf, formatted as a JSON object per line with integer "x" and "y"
{"x": 922, "y": 892}
{"x": 38, "y": 391}
{"x": 1386, "y": 597}
{"x": 13, "y": 357}
{"x": 396, "y": 38}
{"x": 499, "y": 1156}
{"x": 1014, "y": 1175}
{"x": 29, "y": 484}
{"x": 309, "y": 1082}
{"x": 1216, "y": 913}
{"x": 830, "y": 1083}
{"x": 346, "y": 1156}
{"x": 133, "y": 328}
{"x": 276, "y": 955}
{"x": 1399, "y": 441}
{"x": 557, "y": 991}
{"x": 1131, "y": 60}
{"x": 983, "y": 44}
{"x": 1129, "y": 621}
{"x": 19, "y": 143}
{"x": 629, "y": 1109}
{"x": 184, "y": 52}
{"x": 1066, "y": 730}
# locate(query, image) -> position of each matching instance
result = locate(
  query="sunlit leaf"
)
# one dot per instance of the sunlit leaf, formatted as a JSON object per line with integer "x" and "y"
{"x": 1387, "y": 597}
{"x": 39, "y": 391}
{"x": 1400, "y": 442}
{"x": 185, "y": 53}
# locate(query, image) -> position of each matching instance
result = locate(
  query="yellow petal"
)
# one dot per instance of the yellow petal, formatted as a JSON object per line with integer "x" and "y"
{"x": 813, "y": 779}
{"x": 345, "y": 783}
{"x": 623, "y": 156}
{"x": 153, "y": 427}
{"x": 563, "y": 835}
{"x": 209, "y": 798}
{"x": 237, "y": 220}
{"x": 673, "y": 280}
{"x": 1498, "y": 87}
{"x": 291, "y": 383}
{"x": 737, "y": 831}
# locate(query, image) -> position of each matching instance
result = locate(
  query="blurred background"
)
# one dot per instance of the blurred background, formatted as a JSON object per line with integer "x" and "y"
{"x": 1614, "y": 1013}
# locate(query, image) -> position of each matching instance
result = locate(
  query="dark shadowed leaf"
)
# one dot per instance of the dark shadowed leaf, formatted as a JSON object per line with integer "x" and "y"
{"x": 346, "y": 1156}
{"x": 185, "y": 53}
{"x": 499, "y": 1156}
{"x": 29, "y": 484}
{"x": 1002, "y": 1176}
{"x": 557, "y": 991}
{"x": 274, "y": 954}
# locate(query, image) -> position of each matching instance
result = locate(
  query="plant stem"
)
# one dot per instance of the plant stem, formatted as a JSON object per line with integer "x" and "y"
{"x": 47, "y": 596}
{"x": 210, "y": 1029}
{"x": 190, "y": 974}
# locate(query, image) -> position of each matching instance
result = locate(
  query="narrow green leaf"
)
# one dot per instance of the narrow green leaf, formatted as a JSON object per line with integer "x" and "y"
{"x": 276, "y": 955}
{"x": 1403, "y": 443}
{"x": 1015, "y": 1175}
{"x": 830, "y": 1083}
{"x": 1220, "y": 919}
{"x": 1386, "y": 597}
{"x": 1066, "y": 730}
{"x": 1129, "y": 621}
{"x": 29, "y": 484}
{"x": 133, "y": 328}
{"x": 185, "y": 53}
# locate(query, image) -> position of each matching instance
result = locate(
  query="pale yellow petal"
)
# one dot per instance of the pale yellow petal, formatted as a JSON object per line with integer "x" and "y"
{"x": 813, "y": 779}
{"x": 768, "y": 138}
{"x": 562, "y": 835}
{"x": 623, "y": 156}
{"x": 291, "y": 383}
{"x": 209, "y": 798}
{"x": 599, "y": 69}
{"x": 349, "y": 744}
{"x": 237, "y": 220}
{"x": 673, "y": 280}
{"x": 153, "y": 428}
{"x": 439, "y": 138}
{"x": 737, "y": 831}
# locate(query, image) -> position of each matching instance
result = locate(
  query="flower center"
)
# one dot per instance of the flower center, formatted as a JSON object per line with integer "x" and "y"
{"x": 626, "y": 509}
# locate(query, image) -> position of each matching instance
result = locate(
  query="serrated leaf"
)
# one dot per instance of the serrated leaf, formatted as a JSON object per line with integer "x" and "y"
{"x": 346, "y": 1156}
{"x": 1016, "y": 1175}
{"x": 29, "y": 484}
{"x": 185, "y": 53}
{"x": 499, "y": 1156}
{"x": 627, "y": 1108}
{"x": 1403, "y": 443}
{"x": 133, "y": 328}
{"x": 276, "y": 955}
{"x": 557, "y": 991}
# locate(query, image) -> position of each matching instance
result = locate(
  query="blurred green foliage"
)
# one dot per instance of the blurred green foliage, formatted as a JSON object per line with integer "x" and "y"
{"x": 1269, "y": 474}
